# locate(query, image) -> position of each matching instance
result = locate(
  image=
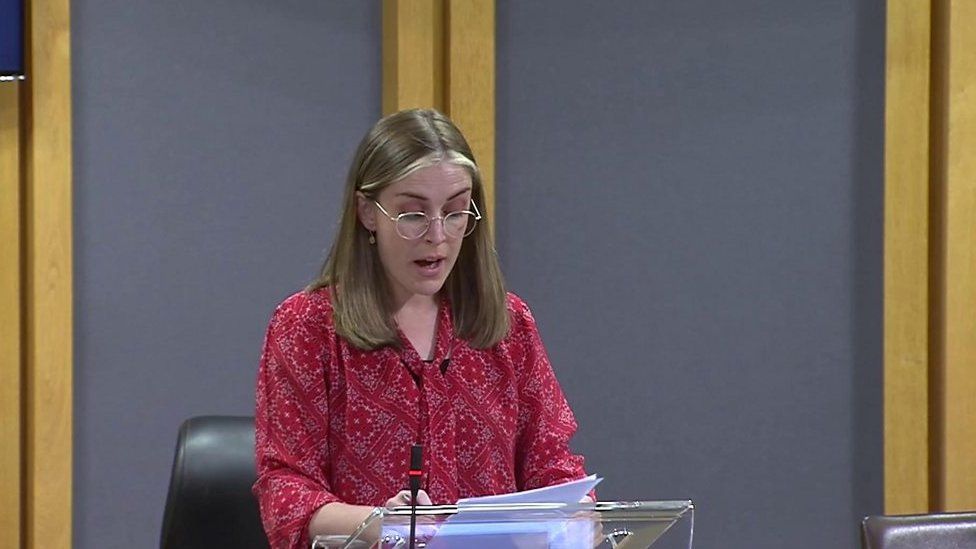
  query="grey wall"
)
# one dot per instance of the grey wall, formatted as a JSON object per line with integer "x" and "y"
{"x": 211, "y": 140}
{"x": 690, "y": 198}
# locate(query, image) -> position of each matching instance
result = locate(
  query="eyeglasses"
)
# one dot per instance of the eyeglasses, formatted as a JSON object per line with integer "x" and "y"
{"x": 413, "y": 225}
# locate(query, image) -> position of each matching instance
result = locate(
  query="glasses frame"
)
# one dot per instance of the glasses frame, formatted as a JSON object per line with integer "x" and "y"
{"x": 430, "y": 220}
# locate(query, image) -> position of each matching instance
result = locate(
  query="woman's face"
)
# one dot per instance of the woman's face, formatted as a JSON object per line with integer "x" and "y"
{"x": 418, "y": 267}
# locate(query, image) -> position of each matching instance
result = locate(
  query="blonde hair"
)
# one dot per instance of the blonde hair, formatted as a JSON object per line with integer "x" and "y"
{"x": 394, "y": 148}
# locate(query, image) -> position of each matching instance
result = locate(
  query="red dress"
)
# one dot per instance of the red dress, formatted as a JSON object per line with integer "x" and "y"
{"x": 335, "y": 423}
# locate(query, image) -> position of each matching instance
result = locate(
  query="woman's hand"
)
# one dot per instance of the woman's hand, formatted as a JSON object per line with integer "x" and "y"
{"x": 402, "y": 499}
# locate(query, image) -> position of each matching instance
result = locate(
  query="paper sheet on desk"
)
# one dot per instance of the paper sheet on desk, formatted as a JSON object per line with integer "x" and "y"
{"x": 569, "y": 492}
{"x": 562, "y": 534}
{"x": 472, "y": 529}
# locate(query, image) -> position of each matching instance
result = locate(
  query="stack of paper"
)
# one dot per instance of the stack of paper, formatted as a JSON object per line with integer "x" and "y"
{"x": 569, "y": 492}
{"x": 474, "y": 528}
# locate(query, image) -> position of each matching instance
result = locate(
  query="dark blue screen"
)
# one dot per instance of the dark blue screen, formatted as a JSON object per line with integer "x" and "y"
{"x": 11, "y": 37}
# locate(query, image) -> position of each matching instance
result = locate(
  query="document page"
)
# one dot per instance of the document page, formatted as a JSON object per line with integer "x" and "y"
{"x": 474, "y": 529}
{"x": 569, "y": 492}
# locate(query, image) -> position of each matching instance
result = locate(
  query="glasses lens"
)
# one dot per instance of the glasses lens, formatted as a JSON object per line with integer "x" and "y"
{"x": 412, "y": 225}
{"x": 459, "y": 224}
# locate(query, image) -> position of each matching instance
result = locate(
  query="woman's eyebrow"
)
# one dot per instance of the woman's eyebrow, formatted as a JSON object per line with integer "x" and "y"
{"x": 422, "y": 198}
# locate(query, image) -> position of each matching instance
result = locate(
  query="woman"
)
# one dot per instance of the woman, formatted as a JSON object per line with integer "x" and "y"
{"x": 408, "y": 336}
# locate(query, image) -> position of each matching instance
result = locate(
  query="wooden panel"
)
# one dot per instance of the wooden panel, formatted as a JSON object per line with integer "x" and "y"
{"x": 413, "y": 55}
{"x": 10, "y": 316}
{"x": 471, "y": 81}
{"x": 48, "y": 282}
{"x": 906, "y": 307}
{"x": 959, "y": 368}
{"x": 442, "y": 54}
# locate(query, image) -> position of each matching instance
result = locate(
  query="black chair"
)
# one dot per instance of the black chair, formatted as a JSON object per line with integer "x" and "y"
{"x": 210, "y": 502}
{"x": 941, "y": 531}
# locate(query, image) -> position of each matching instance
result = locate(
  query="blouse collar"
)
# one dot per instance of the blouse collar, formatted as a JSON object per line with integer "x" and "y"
{"x": 444, "y": 339}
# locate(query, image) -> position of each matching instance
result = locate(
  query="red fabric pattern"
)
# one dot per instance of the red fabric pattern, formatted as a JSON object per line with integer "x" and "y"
{"x": 335, "y": 423}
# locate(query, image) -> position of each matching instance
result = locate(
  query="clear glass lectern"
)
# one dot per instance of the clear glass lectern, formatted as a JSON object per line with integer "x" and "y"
{"x": 603, "y": 525}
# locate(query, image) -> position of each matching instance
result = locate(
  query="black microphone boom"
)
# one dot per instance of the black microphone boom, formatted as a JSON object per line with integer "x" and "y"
{"x": 416, "y": 471}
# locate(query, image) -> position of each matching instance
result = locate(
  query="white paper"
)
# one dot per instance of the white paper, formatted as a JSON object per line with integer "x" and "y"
{"x": 569, "y": 492}
{"x": 474, "y": 529}
{"x": 500, "y": 532}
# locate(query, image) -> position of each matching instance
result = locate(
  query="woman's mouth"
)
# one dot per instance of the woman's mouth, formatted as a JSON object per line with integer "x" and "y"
{"x": 429, "y": 266}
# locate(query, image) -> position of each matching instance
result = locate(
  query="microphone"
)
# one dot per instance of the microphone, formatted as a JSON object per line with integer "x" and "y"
{"x": 416, "y": 471}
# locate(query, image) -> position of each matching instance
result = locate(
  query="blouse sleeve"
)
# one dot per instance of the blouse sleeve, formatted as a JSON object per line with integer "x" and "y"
{"x": 291, "y": 423}
{"x": 545, "y": 421}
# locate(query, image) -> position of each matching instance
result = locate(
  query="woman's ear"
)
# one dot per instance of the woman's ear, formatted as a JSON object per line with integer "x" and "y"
{"x": 366, "y": 211}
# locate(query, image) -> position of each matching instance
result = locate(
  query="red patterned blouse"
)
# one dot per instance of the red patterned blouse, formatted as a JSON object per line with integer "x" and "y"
{"x": 335, "y": 423}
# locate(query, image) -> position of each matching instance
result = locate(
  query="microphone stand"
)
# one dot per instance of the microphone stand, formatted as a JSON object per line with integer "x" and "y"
{"x": 416, "y": 470}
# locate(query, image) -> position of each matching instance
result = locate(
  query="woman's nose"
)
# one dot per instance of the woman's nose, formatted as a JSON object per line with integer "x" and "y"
{"x": 435, "y": 232}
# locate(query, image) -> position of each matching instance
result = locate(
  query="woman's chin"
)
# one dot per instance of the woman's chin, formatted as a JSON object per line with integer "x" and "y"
{"x": 429, "y": 288}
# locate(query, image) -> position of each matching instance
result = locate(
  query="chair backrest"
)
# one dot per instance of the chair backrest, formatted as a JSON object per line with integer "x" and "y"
{"x": 210, "y": 503}
{"x": 942, "y": 531}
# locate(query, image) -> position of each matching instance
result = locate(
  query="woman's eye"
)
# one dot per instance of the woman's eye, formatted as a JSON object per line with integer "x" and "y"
{"x": 413, "y": 217}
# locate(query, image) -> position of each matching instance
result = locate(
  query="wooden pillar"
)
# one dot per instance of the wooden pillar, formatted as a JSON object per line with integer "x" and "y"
{"x": 11, "y": 321}
{"x": 441, "y": 54}
{"x": 36, "y": 288}
{"x": 955, "y": 105}
{"x": 906, "y": 258}
{"x": 471, "y": 82}
{"x": 413, "y": 55}
{"x": 930, "y": 257}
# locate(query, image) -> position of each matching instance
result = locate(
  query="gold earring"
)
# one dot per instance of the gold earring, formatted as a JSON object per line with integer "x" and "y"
{"x": 372, "y": 237}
